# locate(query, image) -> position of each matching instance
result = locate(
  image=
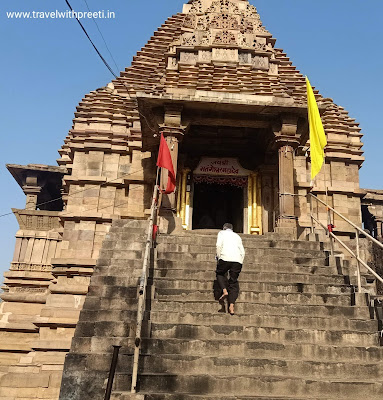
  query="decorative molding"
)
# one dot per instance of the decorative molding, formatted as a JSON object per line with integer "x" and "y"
{"x": 188, "y": 57}
{"x": 225, "y": 54}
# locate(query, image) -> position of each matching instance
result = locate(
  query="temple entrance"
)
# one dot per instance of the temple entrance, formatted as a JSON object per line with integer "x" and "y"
{"x": 214, "y": 204}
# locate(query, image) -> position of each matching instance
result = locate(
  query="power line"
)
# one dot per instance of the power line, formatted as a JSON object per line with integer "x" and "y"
{"x": 111, "y": 55}
{"x": 104, "y": 61}
{"x": 94, "y": 46}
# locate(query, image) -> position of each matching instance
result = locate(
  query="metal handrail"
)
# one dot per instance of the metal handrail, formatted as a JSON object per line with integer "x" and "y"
{"x": 358, "y": 230}
{"x": 112, "y": 371}
{"x": 142, "y": 290}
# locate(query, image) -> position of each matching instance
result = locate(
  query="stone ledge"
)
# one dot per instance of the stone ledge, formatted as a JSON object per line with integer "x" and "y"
{"x": 18, "y": 327}
{"x": 85, "y": 262}
{"x": 56, "y": 322}
{"x": 57, "y": 345}
{"x": 20, "y": 297}
{"x": 68, "y": 289}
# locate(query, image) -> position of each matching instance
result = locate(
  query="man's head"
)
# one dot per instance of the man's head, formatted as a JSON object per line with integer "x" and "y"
{"x": 227, "y": 226}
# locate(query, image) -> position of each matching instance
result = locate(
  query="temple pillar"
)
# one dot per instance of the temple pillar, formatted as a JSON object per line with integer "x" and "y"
{"x": 31, "y": 189}
{"x": 287, "y": 141}
{"x": 173, "y": 133}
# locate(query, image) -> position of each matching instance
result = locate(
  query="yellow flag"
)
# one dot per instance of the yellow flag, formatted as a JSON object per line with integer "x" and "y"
{"x": 317, "y": 136}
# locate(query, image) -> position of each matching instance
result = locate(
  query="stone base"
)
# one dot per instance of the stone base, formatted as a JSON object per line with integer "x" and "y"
{"x": 360, "y": 299}
{"x": 127, "y": 396}
{"x": 287, "y": 227}
{"x": 169, "y": 223}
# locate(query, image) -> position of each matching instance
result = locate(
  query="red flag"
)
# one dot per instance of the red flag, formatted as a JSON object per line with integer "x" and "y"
{"x": 164, "y": 160}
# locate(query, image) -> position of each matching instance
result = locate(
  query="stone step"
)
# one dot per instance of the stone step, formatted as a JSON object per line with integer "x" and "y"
{"x": 183, "y": 396}
{"x": 253, "y": 241}
{"x": 113, "y": 292}
{"x": 104, "y": 263}
{"x": 129, "y": 223}
{"x": 217, "y": 366}
{"x": 233, "y": 348}
{"x": 281, "y": 298}
{"x": 107, "y": 328}
{"x": 274, "y": 335}
{"x": 251, "y": 276}
{"x": 254, "y": 386}
{"x": 270, "y": 321}
{"x": 250, "y": 251}
{"x": 203, "y": 276}
{"x": 115, "y": 244}
{"x": 277, "y": 287}
{"x": 267, "y": 349}
{"x": 242, "y": 309}
{"x": 270, "y": 258}
{"x": 225, "y": 319}
{"x": 248, "y": 266}
{"x": 114, "y": 254}
{"x": 117, "y": 303}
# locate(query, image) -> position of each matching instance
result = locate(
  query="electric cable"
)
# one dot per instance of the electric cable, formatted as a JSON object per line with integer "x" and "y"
{"x": 111, "y": 55}
{"x": 94, "y": 46}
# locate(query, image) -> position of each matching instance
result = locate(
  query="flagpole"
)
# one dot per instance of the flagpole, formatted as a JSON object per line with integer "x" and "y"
{"x": 159, "y": 191}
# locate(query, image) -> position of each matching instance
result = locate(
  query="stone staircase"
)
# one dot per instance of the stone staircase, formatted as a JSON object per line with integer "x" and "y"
{"x": 295, "y": 334}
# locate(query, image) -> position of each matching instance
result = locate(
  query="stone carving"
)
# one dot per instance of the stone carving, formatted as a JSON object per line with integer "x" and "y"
{"x": 196, "y": 8}
{"x": 15, "y": 266}
{"x": 251, "y": 11}
{"x": 206, "y": 38}
{"x": 204, "y": 55}
{"x": 225, "y": 37}
{"x": 40, "y": 221}
{"x": 273, "y": 69}
{"x": 222, "y": 6}
{"x": 244, "y": 58}
{"x": 28, "y": 289}
{"x": 246, "y": 26}
{"x": 225, "y": 54}
{"x": 172, "y": 63}
{"x": 203, "y": 23}
{"x": 224, "y": 21}
{"x": 257, "y": 45}
{"x": 189, "y": 21}
{"x": 260, "y": 62}
{"x": 189, "y": 39}
{"x": 188, "y": 57}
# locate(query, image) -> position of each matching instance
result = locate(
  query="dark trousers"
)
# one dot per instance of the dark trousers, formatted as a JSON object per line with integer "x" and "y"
{"x": 232, "y": 284}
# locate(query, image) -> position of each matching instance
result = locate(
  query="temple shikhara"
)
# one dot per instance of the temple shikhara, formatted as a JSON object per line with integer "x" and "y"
{"x": 233, "y": 111}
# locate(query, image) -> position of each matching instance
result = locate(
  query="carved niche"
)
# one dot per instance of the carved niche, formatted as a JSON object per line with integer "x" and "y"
{"x": 246, "y": 26}
{"x": 244, "y": 58}
{"x": 188, "y": 57}
{"x": 222, "y": 6}
{"x": 224, "y": 21}
{"x": 189, "y": 39}
{"x": 225, "y": 37}
{"x": 260, "y": 62}
{"x": 189, "y": 21}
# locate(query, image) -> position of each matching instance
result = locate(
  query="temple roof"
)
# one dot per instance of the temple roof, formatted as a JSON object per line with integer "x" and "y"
{"x": 216, "y": 46}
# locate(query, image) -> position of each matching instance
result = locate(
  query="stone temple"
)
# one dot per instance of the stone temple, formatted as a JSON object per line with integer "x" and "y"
{"x": 233, "y": 110}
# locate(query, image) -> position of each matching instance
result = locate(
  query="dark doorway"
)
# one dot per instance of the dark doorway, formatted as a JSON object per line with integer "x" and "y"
{"x": 215, "y": 204}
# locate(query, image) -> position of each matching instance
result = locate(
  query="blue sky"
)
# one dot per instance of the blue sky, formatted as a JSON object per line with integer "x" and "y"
{"x": 48, "y": 66}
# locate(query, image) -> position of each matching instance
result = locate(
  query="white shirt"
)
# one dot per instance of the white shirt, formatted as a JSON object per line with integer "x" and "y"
{"x": 230, "y": 247}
